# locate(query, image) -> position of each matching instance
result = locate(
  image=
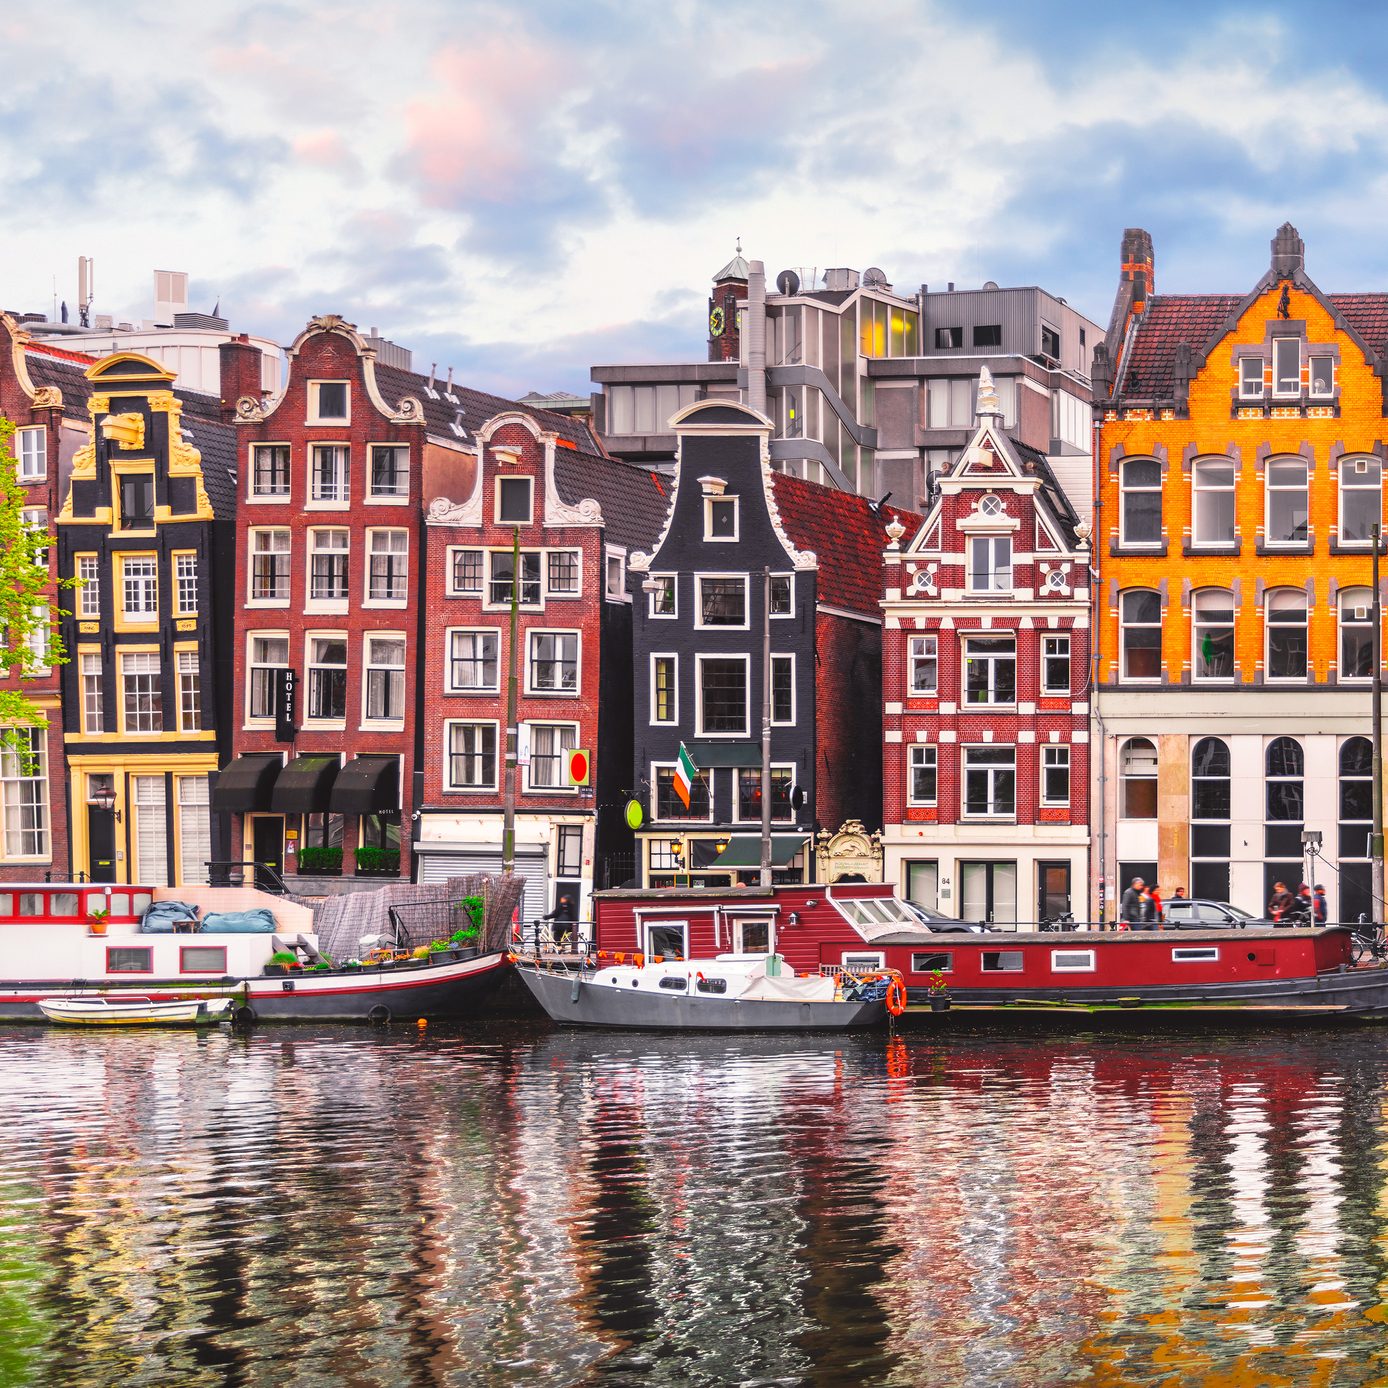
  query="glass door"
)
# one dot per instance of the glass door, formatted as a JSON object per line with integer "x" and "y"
{"x": 988, "y": 893}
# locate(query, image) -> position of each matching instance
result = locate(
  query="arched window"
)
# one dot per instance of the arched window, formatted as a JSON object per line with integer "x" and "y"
{"x": 1137, "y": 769}
{"x": 1285, "y": 616}
{"x": 1209, "y": 815}
{"x": 1212, "y": 623}
{"x": 1139, "y": 483}
{"x": 1212, "y": 519}
{"x": 1140, "y": 621}
{"x": 1356, "y": 634}
{"x": 1287, "y": 514}
{"x": 1356, "y": 825}
{"x": 1360, "y": 500}
{"x": 1285, "y": 813}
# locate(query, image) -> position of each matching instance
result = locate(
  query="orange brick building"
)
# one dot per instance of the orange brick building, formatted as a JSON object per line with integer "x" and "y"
{"x": 1239, "y": 456}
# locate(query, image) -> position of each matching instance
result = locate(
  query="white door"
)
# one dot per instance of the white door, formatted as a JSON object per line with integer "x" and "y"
{"x": 151, "y": 831}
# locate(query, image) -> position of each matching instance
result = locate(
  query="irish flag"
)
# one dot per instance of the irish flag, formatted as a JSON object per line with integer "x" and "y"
{"x": 685, "y": 772}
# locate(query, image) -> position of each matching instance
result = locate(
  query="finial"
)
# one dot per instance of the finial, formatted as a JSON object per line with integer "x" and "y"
{"x": 988, "y": 402}
{"x": 739, "y": 245}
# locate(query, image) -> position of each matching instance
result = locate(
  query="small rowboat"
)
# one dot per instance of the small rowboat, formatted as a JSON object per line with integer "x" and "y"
{"x": 135, "y": 1011}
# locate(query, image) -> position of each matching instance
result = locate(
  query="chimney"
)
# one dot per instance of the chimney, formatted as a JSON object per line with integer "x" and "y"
{"x": 1138, "y": 266}
{"x": 240, "y": 364}
{"x": 1288, "y": 253}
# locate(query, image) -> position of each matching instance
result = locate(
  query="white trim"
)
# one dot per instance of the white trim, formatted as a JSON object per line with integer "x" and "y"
{"x": 314, "y": 417}
{"x": 528, "y": 787}
{"x": 674, "y": 593}
{"x": 746, "y": 660}
{"x": 533, "y": 693}
{"x": 652, "y": 720}
{"x": 683, "y": 819}
{"x": 383, "y": 724}
{"x": 449, "y": 633}
{"x": 497, "y": 479}
{"x": 722, "y": 500}
{"x": 700, "y": 624}
{"x": 1088, "y": 967}
{"x": 317, "y": 634}
{"x": 794, "y": 692}
{"x": 498, "y": 756}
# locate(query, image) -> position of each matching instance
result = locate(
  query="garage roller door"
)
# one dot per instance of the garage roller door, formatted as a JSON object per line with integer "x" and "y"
{"x": 439, "y": 867}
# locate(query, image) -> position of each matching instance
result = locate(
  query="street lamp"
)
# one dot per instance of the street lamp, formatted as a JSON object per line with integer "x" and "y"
{"x": 104, "y": 798}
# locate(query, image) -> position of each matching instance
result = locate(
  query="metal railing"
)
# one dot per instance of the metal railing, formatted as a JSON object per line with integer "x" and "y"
{"x": 231, "y": 872}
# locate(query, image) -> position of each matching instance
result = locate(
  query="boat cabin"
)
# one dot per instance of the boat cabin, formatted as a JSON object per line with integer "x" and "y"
{"x": 864, "y": 926}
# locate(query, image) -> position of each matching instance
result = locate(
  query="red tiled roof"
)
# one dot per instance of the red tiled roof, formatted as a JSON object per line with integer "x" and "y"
{"x": 845, "y": 535}
{"x": 1367, "y": 314}
{"x": 51, "y": 349}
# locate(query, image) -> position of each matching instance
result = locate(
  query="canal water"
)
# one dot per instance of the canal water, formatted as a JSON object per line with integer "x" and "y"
{"x": 333, "y": 1206}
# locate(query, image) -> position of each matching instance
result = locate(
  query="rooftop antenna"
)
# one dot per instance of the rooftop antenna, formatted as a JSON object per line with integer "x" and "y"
{"x": 86, "y": 288}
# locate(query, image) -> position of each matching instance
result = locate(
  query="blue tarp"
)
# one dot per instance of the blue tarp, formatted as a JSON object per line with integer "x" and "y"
{"x": 163, "y": 916}
{"x": 255, "y": 922}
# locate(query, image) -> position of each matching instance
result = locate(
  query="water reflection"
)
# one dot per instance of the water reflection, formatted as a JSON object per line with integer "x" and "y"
{"x": 338, "y": 1207}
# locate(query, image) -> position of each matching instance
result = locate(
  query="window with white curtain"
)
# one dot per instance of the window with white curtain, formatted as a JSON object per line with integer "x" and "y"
{"x": 151, "y": 832}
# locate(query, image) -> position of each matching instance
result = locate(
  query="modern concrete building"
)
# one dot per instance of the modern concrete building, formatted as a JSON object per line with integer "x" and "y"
{"x": 869, "y": 388}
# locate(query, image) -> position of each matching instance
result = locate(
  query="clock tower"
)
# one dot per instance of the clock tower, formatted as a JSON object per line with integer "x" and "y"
{"x": 729, "y": 285}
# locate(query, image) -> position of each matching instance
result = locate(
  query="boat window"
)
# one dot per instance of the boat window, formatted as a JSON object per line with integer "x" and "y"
{"x": 861, "y": 963}
{"x": 117, "y": 903}
{"x": 1191, "y": 956}
{"x": 6, "y": 903}
{"x": 63, "y": 904}
{"x": 124, "y": 960}
{"x": 1072, "y": 960}
{"x": 930, "y": 963}
{"x": 712, "y": 985}
{"x": 202, "y": 959}
{"x": 143, "y": 901}
{"x": 1002, "y": 961}
{"x": 33, "y": 903}
{"x": 676, "y": 985}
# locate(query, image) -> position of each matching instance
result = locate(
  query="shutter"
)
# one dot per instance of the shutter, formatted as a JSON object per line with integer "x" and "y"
{"x": 194, "y": 828}
{"x": 533, "y": 866}
{"x": 151, "y": 833}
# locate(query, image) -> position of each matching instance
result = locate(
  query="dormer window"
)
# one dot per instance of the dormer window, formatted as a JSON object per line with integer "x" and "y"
{"x": 1322, "y": 377}
{"x": 513, "y": 500}
{"x": 137, "y": 501}
{"x": 328, "y": 402}
{"x": 720, "y": 518}
{"x": 1286, "y": 366}
{"x": 990, "y": 564}
{"x": 1251, "y": 378}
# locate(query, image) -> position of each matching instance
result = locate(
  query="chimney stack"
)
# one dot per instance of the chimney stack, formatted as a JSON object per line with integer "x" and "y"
{"x": 1288, "y": 252}
{"x": 1139, "y": 266}
{"x": 240, "y": 363}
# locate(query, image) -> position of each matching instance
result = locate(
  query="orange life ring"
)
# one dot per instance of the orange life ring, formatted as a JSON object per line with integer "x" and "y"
{"x": 896, "y": 996}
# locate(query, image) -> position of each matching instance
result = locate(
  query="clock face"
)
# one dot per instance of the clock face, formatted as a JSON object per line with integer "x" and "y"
{"x": 715, "y": 321}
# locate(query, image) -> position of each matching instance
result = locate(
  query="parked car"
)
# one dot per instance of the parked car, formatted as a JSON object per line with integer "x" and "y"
{"x": 1200, "y": 914}
{"x": 933, "y": 920}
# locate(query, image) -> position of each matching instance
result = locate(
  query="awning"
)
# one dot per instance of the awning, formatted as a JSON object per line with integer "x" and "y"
{"x": 304, "y": 785}
{"x": 746, "y": 853}
{"x": 367, "y": 785}
{"x": 244, "y": 784}
{"x": 724, "y": 753}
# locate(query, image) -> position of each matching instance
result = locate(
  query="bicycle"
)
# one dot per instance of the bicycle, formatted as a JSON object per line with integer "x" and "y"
{"x": 1064, "y": 921}
{"x": 1372, "y": 946}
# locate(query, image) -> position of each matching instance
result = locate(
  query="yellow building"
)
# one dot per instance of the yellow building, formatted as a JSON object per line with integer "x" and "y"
{"x": 1239, "y": 455}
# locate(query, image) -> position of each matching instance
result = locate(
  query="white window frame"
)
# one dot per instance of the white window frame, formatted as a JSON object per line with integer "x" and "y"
{"x": 1127, "y": 756}
{"x": 92, "y": 677}
{"x": 675, "y": 690}
{"x": 1055, "y": 646}
{"x": 395, "y": 498}
{"x": 1196, "y": 954}
{"x": 1126, "y": 489}
{"x": 517, "y": 580}
{"x": 862, "y": 960}
{"x": 256, "y": 496}
{"x": 88, "y": 569}
{"x": 332, "y": 720}
{"x": 789, "y": 580}
{"x": 1051, "y": 758}
{"x": 368, "y": 664}
{"x": 31, "y": 453}
{"x": 149, "y": 584}
{"x": 562, "y": 594}
{"x": 1344, "y": 603}
{"x": 926, "y": 754}
{"x": 540, "y": 692}
{"x": 923, "y": 652}
{"x": 252, "y": 553}
{"x": 338, "y": 497}
{"x": 711, "y": 503}
{"x": 1272, "y": 489}
{"x": 1200, "y": 490}
{"x": 1084, "y": 961}
{"x": 656, "y": 768}
{"x": 993, "y": 660}
{"x": 784, "y": 658}
{"x": 996, "y": 572}
{"x": 1270, "y": 601}
{"x": 498, "y": 756}
{"x": 252, "y": 665}
{"x": 700, "y": 624}
{"x": 15, "y": 807}
{"x": 186, "y": 663}
{"x": 674, "y": 591}
{"x": 746, "y": 661}
{"x": 1279, "y": 346}
{"x": 1250, "y": 388}
{"x": 314, "y": 398}
{"x": 389, "y": 534}
{"x": 615, "y": 591}
{"x": 448, "y": 660}
{"x": 497, "y": 488}
{"x": 182, "y": 582}
{"x": 1311, "y": 359}
{"x": 786, "y": 769}
{"x": 991, "y": 772}
{"x": 484, "y": 573}
{"x": 530, "y": 786}
{"x": 1351, "y": 468}
{"x": 124, "y": 655}
{"x": 1124, "y": 626}
{"x": 312, "y": 601}
{"x": 1195, "y": 627}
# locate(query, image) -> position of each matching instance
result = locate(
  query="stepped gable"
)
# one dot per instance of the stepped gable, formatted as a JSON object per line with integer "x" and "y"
{"x": 845, "y": 534}
{"x": 476, "y": 406}
{"x": 1148, "y": 368}
{"x": 634, "y": 501}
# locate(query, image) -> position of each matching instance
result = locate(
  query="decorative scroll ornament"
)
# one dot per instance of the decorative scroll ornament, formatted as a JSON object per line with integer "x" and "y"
{"x": 408, "y": 411}
{"x": 48, "y": 398}
{"x": 443, "y": 511}
{"x": 249, "y": 410}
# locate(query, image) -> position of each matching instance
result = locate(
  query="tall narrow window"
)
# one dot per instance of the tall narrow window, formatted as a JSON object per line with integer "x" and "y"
{"x": 1322, "y": 377}
{"x": 24, "y": 786}
{"x": 1287, "y": 512}
{"x": 194, "y": 827}
{"x": 390, "y": 470}
{"x": 1286, "y": 634}
{"x": 1140, "y": 521}
{"x": 388, "y": 565}
{"x": 89, "y": 591}
{"x": 189, "y": 692}
{"x": 31, "y": 448}
{"x": 1286, "y": 813}
{"x": 1355, "y": 830}
{"x": 270, "y": 565}
{"x": 385, "y": 679}
{"x": 783, "y": 689}
{"x": 1055, "y": 775}
{"x": 270, "y": 470}
{"x": 1210, "y": 803}
{"x": 327, "y": 677}
{"x": 268, "y": 656}
{"x": 1360, "y": 499}
{"x": 990, "y": 564}
{"x": 1251, "y": 371}
{"x": 327, "y": 565}
{"x": 664, "y": 697}
{"x": 1137, "y": 769}
{"x": 1140, "y": 635}
{"x": 1212, "y": 620}
{"x": 140, "y": 692}
{"x": 924, "y": 664}
{"x": 137, "y": 501}
{"x": 1286, "y": 366}
{"x": 93, "y": 689}
{"x": 185, "y": 584}
{"x": 140, "y": 588}
{"x": 151, "y": 831}
{"x": 1356, "y": 634}
{"x": 328, "y": 480}
{"x": 661, "y": 595}
{"x": 1055, "y": 665}
{"x": 35, "y": 520}
{"x": 922, "y": 781}
{"x": 1213, "y": 520}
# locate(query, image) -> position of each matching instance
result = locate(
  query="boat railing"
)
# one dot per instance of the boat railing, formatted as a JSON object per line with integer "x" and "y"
{"x": 563, "y": 939}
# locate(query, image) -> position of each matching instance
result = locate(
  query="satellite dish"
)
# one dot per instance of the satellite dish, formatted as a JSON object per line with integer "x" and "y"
{"x": 874, "y": 278}
{"x": 788, "y": 282}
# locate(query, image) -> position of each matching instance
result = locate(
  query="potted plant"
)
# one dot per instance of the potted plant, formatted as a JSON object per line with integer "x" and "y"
{"x": 937, "y": 991}
{"x": 96, "y": 915}
{"x": 323, "y": 859}
{"x": 375, "y": 861}
{"x": 282, "y": 961}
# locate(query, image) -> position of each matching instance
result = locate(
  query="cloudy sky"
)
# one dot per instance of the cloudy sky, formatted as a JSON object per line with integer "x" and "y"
{"x": 522, "y": 190}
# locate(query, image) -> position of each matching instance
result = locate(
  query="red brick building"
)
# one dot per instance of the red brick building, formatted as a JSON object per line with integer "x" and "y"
{"x": 985, "y": 679}
{"x": 575, "y": 516}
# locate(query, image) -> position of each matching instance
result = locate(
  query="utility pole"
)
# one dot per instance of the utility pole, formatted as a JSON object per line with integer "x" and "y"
{"x": 765, "y": 879}
{"x": 508, "y": 787}
{"x": 1376, "y": 847}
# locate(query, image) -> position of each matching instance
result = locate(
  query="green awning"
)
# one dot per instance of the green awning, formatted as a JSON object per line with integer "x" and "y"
{"x": 746, "y": 853}
{"x": 724, "y": 753}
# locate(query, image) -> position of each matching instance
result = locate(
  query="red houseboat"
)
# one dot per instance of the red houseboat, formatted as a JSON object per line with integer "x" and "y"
{"x": 865, "y": 927}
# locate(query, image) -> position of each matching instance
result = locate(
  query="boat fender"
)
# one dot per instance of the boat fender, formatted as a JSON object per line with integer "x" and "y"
{"x": 896, "y": 997}
{"x": 639, "y": 960}
{"x": 379, "y": 1015}
{"x": 244, "y": 1016}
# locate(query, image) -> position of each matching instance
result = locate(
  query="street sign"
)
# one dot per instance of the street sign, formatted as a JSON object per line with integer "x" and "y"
{"x": 580, "y": 767}
{"x": 635, "y": 816}
{"x": 286, "y": 705}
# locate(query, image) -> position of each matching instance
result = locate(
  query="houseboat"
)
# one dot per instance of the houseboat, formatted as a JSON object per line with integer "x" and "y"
{"x": 864, "y": 928}
{"x": 83, "y": 941}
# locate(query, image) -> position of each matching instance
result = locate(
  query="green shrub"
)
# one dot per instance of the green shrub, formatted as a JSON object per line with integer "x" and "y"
{"x": 373, "y": 858}
{"x": 320, "y": 858}
{"x": 284, "y": 956}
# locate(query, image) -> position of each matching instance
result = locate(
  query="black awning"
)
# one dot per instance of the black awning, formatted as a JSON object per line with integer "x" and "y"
{"x": 304, "y": 786}
{"x": 244, "y": 785}
{"x": 367, "y": 785}
{"x": 714, "y": 753}
{"x": 746, "y": 852}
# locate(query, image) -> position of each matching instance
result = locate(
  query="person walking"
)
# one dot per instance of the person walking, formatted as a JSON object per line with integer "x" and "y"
{"x": 1320, "y": 908}
{"x": 1179, "y": 894}
{"x": 1149, "y": 910}
{"x": 1130, "y": 908}
{"x": 1280, "y": 903}
{"x": 1305, "y": 908}
{"x": 1158, "y": 909}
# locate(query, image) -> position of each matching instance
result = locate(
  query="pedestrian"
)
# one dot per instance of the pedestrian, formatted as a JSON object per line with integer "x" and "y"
{"x": 1305, "y": 907}
{"x": 1130, "y": 908}
{"x": 1158, "y": 910}
{"x": 1280, "y": 903}
{"x": 1149, "y": 910}
{"x": 1320, "y": 908}
{"x": 1179, "y": 894}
